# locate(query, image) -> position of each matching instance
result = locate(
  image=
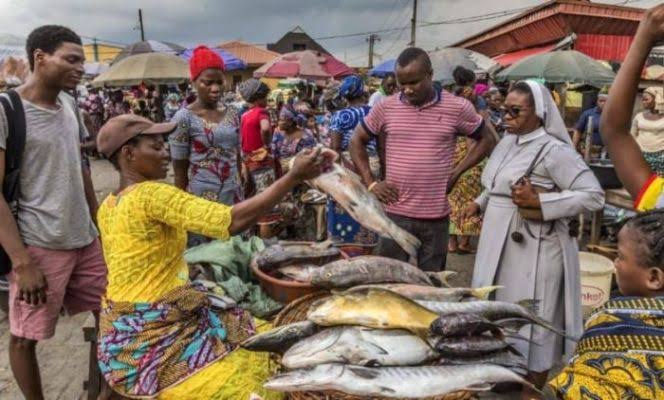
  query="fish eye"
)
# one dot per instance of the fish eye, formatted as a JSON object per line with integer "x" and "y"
{"x": 328, "y": 275}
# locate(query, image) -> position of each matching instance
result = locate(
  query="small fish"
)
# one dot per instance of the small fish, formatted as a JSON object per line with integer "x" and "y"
{"x": 373, "y": 308}
{"x": 493, "y": 310}
{"x": 280, "y": 339}
{"x": 506, "y": 358}
{"x": 347, "y": 189}
{"x": 465, "y": 346}
{"x": 394, "y": 382}
{"x": 299, "y": 272}
{"x": 430, "y": 293}
{"x": 284, "y": 254}
{"x": 358, "y": 346}
{"x": 365, "y": 270}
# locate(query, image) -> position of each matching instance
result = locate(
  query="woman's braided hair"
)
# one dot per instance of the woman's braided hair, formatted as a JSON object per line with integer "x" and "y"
{"x": 650, "y": 225}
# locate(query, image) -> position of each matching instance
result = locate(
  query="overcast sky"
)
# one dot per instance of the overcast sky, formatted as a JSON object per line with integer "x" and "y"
{"x": 190, "y": 22}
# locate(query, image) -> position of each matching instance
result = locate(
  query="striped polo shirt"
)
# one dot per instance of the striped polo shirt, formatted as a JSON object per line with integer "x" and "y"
{"x": 419, "y": 149}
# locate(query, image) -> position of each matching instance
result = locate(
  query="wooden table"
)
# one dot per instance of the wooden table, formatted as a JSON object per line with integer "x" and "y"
{"x": 615, "y": 197}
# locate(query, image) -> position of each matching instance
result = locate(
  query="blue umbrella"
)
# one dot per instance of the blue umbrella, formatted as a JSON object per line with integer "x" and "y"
{"x": 231, "y": 63}
{"x": 383, "y": 69}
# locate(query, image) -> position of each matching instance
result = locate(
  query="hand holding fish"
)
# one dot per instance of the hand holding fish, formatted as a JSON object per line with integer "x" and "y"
{"x": 308, "y": 164}
{"x": 524, "y": 195}
{"x": 386, "y": 193}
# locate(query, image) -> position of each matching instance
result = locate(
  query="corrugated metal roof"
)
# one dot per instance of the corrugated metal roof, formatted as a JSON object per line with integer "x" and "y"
{"x": 604, "y": 47}
{"x": 252, "y": 55}
{"x": 553, "y": 21}
{"x": 508, "y": 59}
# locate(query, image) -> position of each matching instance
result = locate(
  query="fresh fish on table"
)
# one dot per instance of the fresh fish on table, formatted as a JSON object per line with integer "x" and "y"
{"x": 299, "y": 272}
{"x": 359, "y": 346}
{"x": 347, "y": 189}
{"x": 493, "y": 310}
{"x": 284, "y": 253}
{"x": 394, "y": 382}
{"x": 506, "y": 358}
{"x": 373, "y": 308}
{"x": 367, "y": 269}
{"x": 469, "y": 345}
{"x": 280, "y": 339}
{"x": 429, "y": 293}
{"x": 463, "y": 324}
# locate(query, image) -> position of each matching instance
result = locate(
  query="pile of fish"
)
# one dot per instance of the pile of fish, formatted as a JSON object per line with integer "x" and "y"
{"x": 392, "y": 333}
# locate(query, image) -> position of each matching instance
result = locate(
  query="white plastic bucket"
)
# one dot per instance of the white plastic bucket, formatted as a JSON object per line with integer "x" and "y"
{"x": 596, "y": 274}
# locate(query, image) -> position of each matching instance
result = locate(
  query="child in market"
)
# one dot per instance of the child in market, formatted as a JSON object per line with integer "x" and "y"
{"x": 621, "y": 353}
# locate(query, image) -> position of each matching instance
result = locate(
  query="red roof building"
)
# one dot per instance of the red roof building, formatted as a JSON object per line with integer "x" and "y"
{"x": 602, "y": 31}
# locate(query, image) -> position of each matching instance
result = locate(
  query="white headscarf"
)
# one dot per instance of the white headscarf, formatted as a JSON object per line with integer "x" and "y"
{"x": 546, "y": 109}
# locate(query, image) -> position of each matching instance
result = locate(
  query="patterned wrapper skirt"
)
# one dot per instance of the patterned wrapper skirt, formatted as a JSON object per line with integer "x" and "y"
{"x": 263, "y": 171}
{"x": 146, "y": 348}
{"x": 468, "y": 187}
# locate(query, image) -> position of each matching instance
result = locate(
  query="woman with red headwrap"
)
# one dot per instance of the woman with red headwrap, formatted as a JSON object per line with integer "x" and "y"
{"x": 205, "y": 147}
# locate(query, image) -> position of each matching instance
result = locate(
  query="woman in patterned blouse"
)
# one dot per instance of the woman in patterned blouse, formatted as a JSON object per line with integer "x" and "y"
{"x": 205, "y": 147}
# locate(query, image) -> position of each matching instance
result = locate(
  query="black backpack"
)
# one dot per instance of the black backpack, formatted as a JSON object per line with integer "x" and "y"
{"x": 13, "y": 108}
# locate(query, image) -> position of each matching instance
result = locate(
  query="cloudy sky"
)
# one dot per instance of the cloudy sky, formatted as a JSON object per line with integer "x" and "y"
{"x": 190, "y": 22}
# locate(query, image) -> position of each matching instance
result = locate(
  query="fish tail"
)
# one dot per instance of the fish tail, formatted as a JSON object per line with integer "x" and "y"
{"x": 440, "y": 278}
{"x": 484, "y": 292}
{"x": 409, "y": 243}
{"x": 513, "y": 324}
{"x": 533, "y": 306}
{"x": 518, "y": 336}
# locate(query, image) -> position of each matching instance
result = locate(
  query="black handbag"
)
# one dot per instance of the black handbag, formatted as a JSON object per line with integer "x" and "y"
{"x": 15, "y": 145}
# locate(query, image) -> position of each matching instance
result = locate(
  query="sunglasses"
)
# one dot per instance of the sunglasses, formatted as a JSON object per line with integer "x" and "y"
{"x": 512, "y": 111}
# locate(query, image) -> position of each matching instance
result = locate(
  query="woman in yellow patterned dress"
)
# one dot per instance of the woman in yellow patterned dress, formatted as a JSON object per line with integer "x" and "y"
{"x": 159, "y": 335}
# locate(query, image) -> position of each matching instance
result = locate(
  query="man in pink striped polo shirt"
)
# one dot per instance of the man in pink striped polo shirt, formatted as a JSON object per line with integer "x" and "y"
{"x": 421, "y": 125}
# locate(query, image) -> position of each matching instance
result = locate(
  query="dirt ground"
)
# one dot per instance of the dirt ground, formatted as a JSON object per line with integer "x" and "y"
{"x": 64, "y": 358}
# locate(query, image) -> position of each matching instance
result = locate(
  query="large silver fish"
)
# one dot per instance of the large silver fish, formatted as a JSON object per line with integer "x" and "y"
{"x": 394, "y": 382}
{"x": 285, "y": 253}
{"x": 506, "y": 358}
{"x": 347, "y": 189}
{"x": 280, "y": 339}
{"x": 492, "y": 310}
{"x": 359, "y": 346}
{"x": 429, "y": 293}
{"x": 367, "y": 269}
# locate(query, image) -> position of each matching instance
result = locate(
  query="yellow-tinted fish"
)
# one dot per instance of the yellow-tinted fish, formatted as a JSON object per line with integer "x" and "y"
{"x": 373, "y": 308}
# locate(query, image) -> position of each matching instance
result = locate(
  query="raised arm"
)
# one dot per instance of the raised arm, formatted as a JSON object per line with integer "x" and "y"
{"x": 633, "y": 170}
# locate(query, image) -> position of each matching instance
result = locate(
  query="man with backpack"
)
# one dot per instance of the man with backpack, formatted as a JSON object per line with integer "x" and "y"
{"x": 47, "y": 231}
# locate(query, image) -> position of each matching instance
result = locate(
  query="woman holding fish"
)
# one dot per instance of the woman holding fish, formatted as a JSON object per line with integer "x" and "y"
{"x": 159, "y": 335}
{"x": 534, "y": 184}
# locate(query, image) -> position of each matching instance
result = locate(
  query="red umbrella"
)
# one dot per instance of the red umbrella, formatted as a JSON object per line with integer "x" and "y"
{"x": 307, "y": 64}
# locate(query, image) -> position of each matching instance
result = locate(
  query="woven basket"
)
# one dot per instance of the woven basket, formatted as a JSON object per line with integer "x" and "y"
{"x": 296, "y": 312}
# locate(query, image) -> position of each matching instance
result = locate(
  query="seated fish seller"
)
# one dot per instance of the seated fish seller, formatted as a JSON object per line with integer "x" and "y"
{"x": 621, "y": 353}
{"x": 159, "y": 336}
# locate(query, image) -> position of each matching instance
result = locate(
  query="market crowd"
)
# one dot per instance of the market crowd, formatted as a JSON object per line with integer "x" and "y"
{"x": 470, "y": 159}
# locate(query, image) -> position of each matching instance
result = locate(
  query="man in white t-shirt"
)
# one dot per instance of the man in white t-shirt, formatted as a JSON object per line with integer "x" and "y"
{"x": 53, "y": 244}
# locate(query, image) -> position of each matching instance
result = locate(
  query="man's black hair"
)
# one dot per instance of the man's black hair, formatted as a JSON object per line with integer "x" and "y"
{"x": 463, "y": 76}
{"x": 48, "y": 38}
{"x": 412, "y": 54}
